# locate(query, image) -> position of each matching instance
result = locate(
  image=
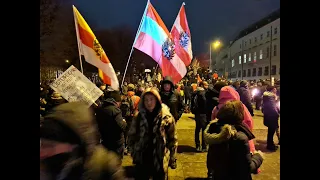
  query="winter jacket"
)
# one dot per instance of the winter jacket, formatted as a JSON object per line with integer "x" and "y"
{"x": 229, "y": 156}
{"x": 111, "y": 125}
{"x": 159, "y": 146}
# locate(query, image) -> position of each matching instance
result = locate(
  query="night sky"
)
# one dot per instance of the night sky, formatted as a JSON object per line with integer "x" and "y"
{"x": 208, "y": 19}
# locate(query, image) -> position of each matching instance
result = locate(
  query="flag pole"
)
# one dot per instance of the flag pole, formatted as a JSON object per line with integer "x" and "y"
{"x": 78, "y": 39}
{"x": 125, "y": 71}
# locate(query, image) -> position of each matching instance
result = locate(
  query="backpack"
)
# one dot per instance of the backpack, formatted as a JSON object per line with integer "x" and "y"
{"x": 126, "y": 107}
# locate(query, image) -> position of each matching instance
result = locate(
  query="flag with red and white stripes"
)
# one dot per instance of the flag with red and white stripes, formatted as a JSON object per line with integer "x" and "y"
{"x": 181, "y": 35}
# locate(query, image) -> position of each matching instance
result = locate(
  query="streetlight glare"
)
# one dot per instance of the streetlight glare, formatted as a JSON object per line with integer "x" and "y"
{"x": 67, "y": 61}
{"x": 216, "y": 44}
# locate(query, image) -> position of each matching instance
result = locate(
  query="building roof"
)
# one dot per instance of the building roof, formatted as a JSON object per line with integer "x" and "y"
{"x": 264, "y": 21}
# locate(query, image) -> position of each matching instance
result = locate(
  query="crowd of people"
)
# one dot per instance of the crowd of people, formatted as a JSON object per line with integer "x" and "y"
{"x": 140, "y": 121}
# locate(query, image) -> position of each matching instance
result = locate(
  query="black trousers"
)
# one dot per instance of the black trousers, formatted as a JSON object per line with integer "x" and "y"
{"x": 271, "y": 132}
{"x": 201, "y": 124}
{"x": 129, "y": 121}
{"x": 144, "y": 172}
{"x": 258, "y": 103}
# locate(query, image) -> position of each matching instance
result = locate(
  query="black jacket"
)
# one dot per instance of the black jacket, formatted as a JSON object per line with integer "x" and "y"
{"x": 172, "y": 99}
{"x": 199, "y": 101}
{"x": 111, "y": 125}
{"x": 212, "y": 100}
{"x": 229, "y": 156}
{"x": 245, "y": 97}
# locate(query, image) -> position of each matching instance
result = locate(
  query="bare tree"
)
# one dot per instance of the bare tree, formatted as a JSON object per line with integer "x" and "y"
{"x": 57, "y": 33}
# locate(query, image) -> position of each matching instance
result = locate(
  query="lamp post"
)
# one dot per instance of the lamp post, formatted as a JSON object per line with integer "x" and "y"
{"x": 214, "y": 45}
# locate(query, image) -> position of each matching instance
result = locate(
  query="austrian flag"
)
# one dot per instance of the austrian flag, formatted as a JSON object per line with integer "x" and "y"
{"x": 181, "y": 36}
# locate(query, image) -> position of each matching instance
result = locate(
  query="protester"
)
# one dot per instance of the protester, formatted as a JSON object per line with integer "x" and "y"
{"x": 153, "y": 138}
{"x": 69, "y": 147}
{"x": 229, "y": 154}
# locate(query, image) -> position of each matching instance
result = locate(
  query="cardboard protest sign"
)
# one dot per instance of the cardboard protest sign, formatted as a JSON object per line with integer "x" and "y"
{"x": 75, "y": 87}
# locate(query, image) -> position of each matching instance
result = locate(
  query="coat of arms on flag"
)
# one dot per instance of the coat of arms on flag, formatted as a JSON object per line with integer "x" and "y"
{"x": 97, "y": 48}
{"x": 168, "y": 49}
{"x": 184, "y": 39}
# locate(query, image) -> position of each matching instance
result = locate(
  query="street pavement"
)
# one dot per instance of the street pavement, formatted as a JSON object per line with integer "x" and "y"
{"x": 192, "y": 165}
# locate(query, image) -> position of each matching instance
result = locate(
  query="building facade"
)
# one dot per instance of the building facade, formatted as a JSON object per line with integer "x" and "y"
{"x": 255, "y": 53}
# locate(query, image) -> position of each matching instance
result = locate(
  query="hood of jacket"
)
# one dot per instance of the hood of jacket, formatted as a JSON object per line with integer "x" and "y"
{"x": 153, "y": 91}
{"x": 226, "y": 132}
{"x": 228, "y": 93}
{"x": 167, "y": 79}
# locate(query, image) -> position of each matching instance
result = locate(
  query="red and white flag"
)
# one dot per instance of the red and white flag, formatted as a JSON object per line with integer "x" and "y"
{"x": 94, "y": 54}
{"x": 181, "y": 35}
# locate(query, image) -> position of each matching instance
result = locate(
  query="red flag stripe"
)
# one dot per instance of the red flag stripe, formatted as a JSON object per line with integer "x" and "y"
{"x": 180, "y": 51}
{"x": 169, "y": 70}
{"x": 87, "y": 39}
{"x": 183, "y": 21}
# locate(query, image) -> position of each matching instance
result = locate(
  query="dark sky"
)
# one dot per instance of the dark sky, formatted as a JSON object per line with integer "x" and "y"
{"x": 208, "y": 19}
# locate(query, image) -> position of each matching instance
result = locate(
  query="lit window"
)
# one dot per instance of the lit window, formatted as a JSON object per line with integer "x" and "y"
{"x": 239, "y": 59}
{"x": 255, "y": 57}
{"x": 232, "y": 62}
{"x": 249, "y": 59}
{"x": 244, "y": 58}
{"x": 261, "y": 55}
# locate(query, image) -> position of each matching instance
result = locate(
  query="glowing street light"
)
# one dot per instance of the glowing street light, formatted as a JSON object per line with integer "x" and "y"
{"x": 216, "y": 44}
{"x": 67, "y": 61}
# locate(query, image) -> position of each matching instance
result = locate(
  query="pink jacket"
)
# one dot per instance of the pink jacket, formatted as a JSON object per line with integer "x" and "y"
{"x": 227, "y": 93}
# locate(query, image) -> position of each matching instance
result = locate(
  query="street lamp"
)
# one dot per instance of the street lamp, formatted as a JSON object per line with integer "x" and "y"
{"x": 67, "y": 61}
{"x": 214, "y": 45}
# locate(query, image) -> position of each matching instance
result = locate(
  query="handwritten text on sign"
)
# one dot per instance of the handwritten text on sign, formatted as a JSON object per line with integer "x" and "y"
{"x": 74, "y": 86}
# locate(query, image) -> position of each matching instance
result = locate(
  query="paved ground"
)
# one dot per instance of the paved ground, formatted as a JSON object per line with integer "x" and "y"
{"x": 192, "y": 165}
